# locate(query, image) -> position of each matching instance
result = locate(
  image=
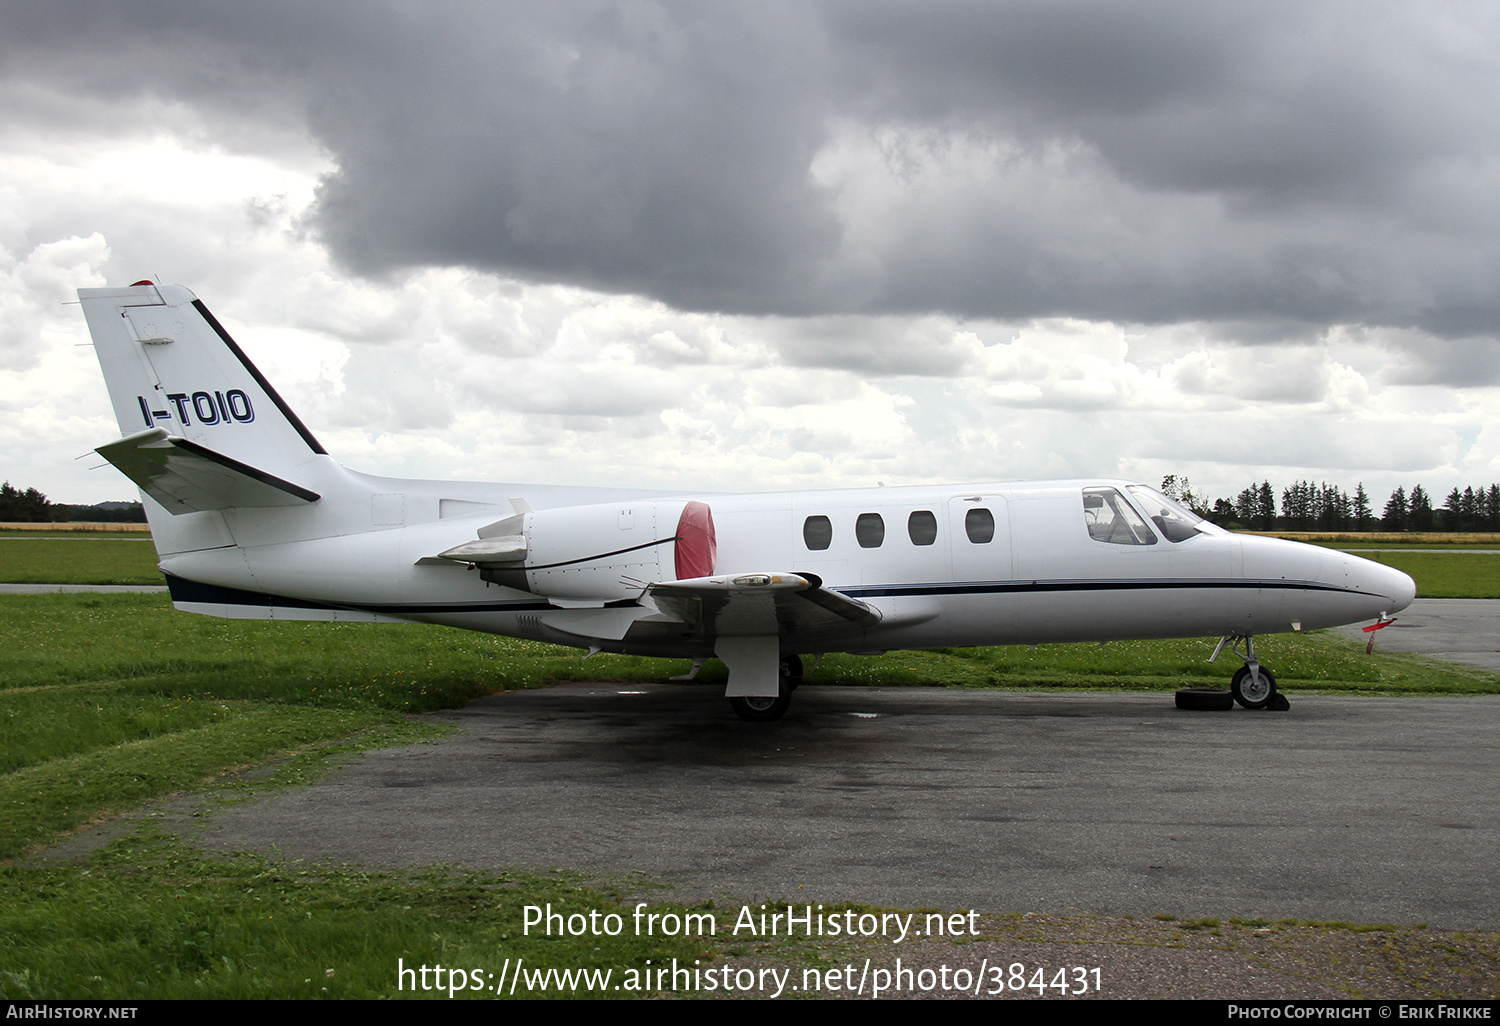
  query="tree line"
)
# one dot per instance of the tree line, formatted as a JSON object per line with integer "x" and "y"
{"x": 32, "y": 507}
{"x": 1306, "y": 506}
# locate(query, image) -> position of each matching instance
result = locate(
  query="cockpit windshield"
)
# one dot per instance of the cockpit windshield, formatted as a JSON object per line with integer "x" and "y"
{"x": 1176, "y": 523}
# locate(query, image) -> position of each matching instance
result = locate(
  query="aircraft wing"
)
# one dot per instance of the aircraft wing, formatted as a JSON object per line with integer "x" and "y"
{"x": 766, "y": 604}
{"x": 186, "y": 477}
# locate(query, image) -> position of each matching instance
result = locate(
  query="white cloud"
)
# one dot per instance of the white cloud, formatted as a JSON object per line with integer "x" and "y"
{"x": 1109, "y": 312}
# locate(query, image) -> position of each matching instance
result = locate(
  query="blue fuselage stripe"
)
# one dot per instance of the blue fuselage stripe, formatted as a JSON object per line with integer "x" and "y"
{"x": 184, "y": 590}
{"x": 1123, "y": 584}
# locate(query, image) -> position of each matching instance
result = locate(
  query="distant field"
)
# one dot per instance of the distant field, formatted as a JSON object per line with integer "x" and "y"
{"x": 1446, "y": 574}
{"x": 72, "y": 527}
{"x": 95, "y": 559}
{"x": 1388, "y": 539}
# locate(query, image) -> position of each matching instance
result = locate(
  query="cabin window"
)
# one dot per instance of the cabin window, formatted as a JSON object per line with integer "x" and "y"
{"x": 817, "y": 532}
{"x": 921, "y": 527}
{"x": 1111, "y": 519}
{"x": 869, "y": 530}
{"x": 979, "y": 525}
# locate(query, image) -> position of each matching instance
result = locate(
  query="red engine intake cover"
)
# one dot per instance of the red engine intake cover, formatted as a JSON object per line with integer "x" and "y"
{"x": 697, "y": 548}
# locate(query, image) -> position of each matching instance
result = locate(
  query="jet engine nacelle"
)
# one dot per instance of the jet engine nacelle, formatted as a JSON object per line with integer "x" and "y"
{"x": 595, "y": 553}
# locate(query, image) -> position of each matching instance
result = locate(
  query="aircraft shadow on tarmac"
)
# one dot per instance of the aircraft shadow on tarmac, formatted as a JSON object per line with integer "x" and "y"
{"x": 833, "y": 725}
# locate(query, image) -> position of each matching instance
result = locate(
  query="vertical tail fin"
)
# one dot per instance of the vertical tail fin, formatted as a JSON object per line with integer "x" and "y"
{"x": 204, "y": 430}
{"x": 170, "y": 364}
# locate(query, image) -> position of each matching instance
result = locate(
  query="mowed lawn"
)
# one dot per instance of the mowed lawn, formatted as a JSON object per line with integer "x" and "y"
{"x": 1446, "y": 574}
{"x": 78, "y": 558}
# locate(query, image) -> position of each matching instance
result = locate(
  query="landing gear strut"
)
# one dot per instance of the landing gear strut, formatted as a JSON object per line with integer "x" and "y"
{"x": 1253, "y": 686}
{"x": 763, "y": 709}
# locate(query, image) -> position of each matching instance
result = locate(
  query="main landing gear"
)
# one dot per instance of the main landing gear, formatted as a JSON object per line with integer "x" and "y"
{"x": 763, "y": 709}
{"x": 1253, "y": 686}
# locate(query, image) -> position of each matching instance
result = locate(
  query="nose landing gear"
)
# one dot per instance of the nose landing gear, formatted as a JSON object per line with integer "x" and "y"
{"x": 1253, "y": 686}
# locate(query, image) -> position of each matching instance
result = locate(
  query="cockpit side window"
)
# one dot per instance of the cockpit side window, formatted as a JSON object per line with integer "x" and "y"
{"x": 1111, "y": 519}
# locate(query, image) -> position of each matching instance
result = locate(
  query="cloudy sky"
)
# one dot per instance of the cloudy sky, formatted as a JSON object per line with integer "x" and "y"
{"x": 781, "y": 244}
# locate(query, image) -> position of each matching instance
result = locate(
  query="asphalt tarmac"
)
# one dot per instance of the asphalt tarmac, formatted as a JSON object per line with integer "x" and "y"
{"x": 1356, "y": 809}
{"x": 1458, "y": 630}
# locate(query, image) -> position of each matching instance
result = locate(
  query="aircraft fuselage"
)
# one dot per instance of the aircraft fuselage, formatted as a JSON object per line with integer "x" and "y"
{"x": 1037, "y": 576}
{"x": 252, "y": 518}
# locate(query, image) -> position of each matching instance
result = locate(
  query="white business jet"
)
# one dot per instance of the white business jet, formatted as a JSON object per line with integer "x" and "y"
{"x": 252, "y": 518}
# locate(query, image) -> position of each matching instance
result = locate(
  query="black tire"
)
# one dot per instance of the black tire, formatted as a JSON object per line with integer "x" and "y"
{"x": 791, "y": 672}
{"x": 1205, "y": 699}
{"x": 758, "y": 709}
{"x": 1256, "y": 693}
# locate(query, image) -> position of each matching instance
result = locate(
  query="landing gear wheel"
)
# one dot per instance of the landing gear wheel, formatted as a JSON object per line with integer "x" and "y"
{"x": 791, "y": 673}
{"x": 760, "y": 708}
{"x": 1205, "y": 699}
{"x": 1253, "y": 691}
{"x": 763, "y": 709}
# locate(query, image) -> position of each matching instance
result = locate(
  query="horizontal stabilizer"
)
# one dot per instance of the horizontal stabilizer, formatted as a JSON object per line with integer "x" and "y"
{"x": 185, "y": 477}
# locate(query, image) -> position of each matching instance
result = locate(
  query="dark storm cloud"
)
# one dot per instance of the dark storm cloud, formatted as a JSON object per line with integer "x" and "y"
{"x": 1269, "y": 104}
{"x": 1460, "y": 363}
{"x": 1287, "y": 162}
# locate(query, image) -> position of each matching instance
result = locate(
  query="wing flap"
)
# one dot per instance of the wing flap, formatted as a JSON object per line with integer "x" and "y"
{"x": 185, "y": 477}
{"x": 782, "y": 604}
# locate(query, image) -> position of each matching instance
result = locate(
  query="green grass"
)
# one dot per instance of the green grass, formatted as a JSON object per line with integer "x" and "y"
{"x": 62, "y": 792}
{"x": 137, "y": 644}
{"x": 152, "y": 918}
{"x": 1359, "y": 548}
{"x": 102, "y": 558}
{"x": 1446, "y": 575}
{"x": 1388, "y": 539}
{"x": 109, "y": 700}
{"x": 1455, "y": 574}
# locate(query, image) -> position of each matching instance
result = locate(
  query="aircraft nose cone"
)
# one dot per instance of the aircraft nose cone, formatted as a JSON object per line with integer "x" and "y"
{"x": 1399, "y": 586}
{"x": 1395, "y": 588}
